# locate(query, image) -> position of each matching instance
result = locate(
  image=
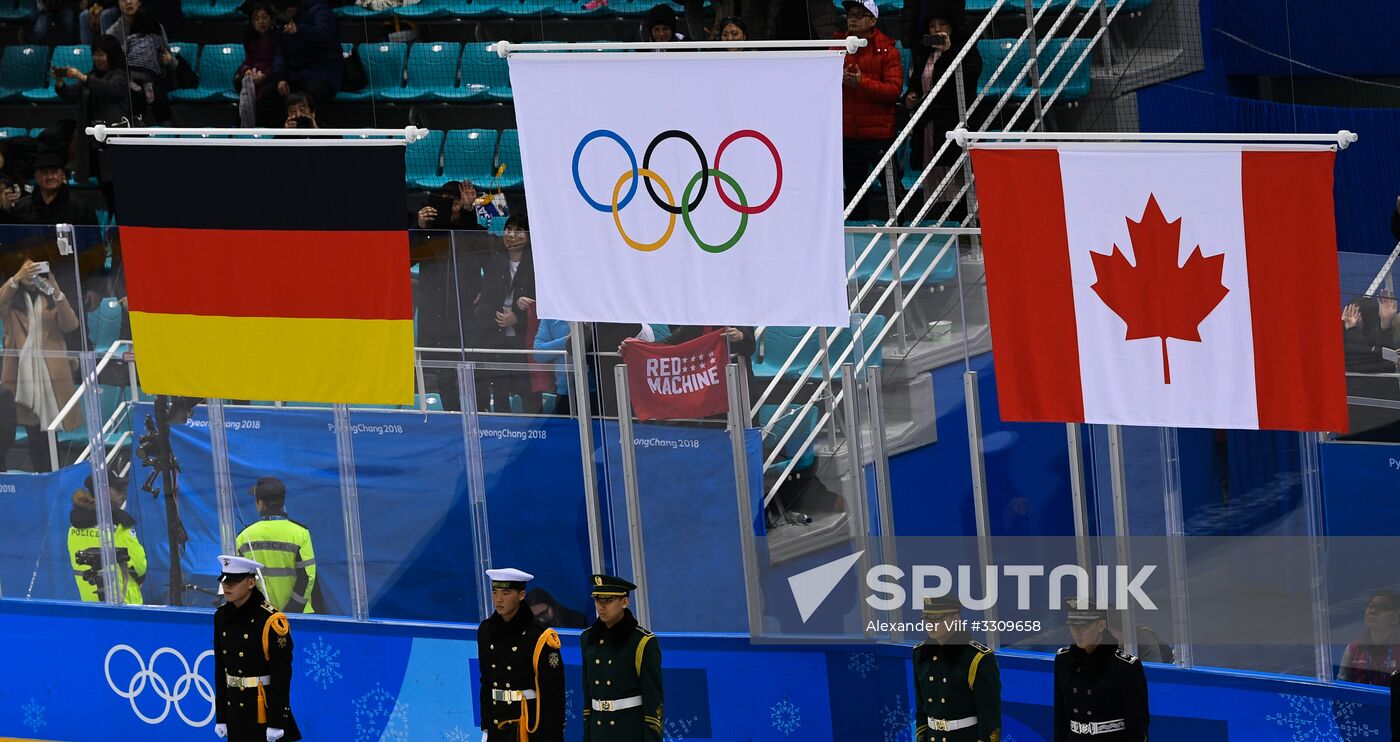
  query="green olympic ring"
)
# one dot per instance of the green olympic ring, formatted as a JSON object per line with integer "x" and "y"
{"x": 690, "y": 227}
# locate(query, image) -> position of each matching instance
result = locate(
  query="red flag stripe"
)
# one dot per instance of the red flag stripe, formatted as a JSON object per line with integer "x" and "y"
{"x": 273, "y": 273}
{"x": 1290, "y": 233}
{"x": 1030, "y": 296}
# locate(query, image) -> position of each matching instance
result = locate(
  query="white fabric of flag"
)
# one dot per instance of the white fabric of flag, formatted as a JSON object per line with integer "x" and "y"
{"x": 683, "y": 187}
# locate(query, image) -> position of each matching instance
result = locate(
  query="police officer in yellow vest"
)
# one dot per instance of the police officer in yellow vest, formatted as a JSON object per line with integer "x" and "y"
{"x": 621, "y": 670}
{"x": 956, "y": 682}
{"x": 283, "y": 547}
{"x": 85, "y": 550}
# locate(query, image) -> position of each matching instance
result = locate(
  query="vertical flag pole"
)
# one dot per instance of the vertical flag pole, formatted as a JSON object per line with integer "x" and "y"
{"x": 1119, "y": 477}
{"x": 858, "y": 503}
{"x": 476, "y": 483}
{"x": 1034, "y": 64}
{"x": 641, "y": 600}
{"x": 579, "y": 397}
{"x": 223, "y": 480}
{"x": 738, "y": 414}
{"x": 1176, "y": 546}
{"x": 1078, "y": 496}
{"x": 884, "y": 505}
{"x": 350, "y": 504}
{"x": 973, "y": 403}
{"x": 1317, "y": 553}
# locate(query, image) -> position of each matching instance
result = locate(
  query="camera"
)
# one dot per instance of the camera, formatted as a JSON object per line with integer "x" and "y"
{"x": 91, "y": 558}
{"x": 937, "y": 40}
{"x": 441, "y": 203}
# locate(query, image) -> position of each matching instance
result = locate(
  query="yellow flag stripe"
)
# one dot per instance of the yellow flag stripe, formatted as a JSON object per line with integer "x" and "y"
{"x": 275, "y": 358}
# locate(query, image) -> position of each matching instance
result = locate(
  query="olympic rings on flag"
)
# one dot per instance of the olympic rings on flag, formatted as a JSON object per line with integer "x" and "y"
{"x": 686, "y": 206}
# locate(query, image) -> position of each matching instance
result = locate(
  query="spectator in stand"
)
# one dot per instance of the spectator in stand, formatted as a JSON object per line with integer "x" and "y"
{"x": 1372, "y": 658}
{"x": 553, "y": 335}
{"x": 449, "y": 276}
{"x": 301, "y": 112}
{"x": 311, "y": 54}
{"x": 149, "y": 61}
{"x": 126, "y": 14}
{"x": 262, "y": 65}
{"x": 48, "y": 12}
{"x": 732, "y": 28}
{"x": 502, "y": 317}
{"x": 51, "y": 202}
{"x": 103, "y": 96}
{"x": 660, "y": 25}
{"x": 1362, "y": 340}
{"x": 37, "y": 314}
{"x": 873, "y": 78}
{"x": 946, "y": 25}
{"x": 548, "y": 612}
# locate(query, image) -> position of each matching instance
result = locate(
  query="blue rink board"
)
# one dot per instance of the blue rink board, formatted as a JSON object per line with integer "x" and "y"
{"x": 70, "y": 666}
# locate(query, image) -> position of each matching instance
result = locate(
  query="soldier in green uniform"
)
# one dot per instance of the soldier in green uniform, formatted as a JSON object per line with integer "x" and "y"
{"x": 522, "y": 671}
{"x": 252, "y": 660}
{"x": 621, "y": 670}
{"x": 956, "y": 682}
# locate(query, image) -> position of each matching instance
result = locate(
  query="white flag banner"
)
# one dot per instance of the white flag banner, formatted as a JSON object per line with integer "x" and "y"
{"x": 684, "y": 188}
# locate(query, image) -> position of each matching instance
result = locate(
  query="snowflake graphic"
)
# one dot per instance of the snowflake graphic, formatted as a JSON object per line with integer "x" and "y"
{"x": 895, "y": 722}
{"x": 322, "y": 663}
{"x": 1310, "y": 718}
{"x": 786, "y": 717}
{"x": 569, "y": 714}
{"x": 455, "y": 734}
{"x": 376, "y": 710}
{"x": 861, "y": 663}
{"x": 678, "y": 729}
{"x": 34, "y": 715}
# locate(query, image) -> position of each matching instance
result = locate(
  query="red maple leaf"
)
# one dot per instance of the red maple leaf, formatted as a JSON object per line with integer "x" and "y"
{"x": 1157, "y": 298}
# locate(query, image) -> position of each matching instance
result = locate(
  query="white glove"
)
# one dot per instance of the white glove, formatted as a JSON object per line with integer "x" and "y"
{"x": 220, "y": 730}
{"x": 274, "y": 734}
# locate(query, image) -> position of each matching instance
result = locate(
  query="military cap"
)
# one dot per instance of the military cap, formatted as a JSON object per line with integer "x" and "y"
{"x": 1079, "y": 613}
{"x": 235, "y": 568}
{"x": 940, "y": 606}
{"x": 608, "y": 586}
{"x": 508, "y": 578}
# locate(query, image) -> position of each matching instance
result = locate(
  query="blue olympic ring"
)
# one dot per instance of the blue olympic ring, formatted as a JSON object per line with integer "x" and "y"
{"x": 631, "y": 157}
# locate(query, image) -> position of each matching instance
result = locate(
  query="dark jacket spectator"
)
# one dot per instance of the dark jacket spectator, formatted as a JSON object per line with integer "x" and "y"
{"x": 103, "y": 95}
{"x": 500, "y": 320}
{"x": 1362, "y": 339}
{"x": 262, "y": 56}
{"x": 942, "y": 115}
{"x": 311, "y": 53}
{"x": 660, "y": 25}
{"x": 51, "y": 202}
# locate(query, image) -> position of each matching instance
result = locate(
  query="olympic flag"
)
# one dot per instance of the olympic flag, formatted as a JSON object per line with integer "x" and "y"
{"x": 685, "y": 188}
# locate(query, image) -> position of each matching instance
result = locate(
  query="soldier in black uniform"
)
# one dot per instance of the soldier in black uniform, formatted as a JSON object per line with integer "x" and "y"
{"x": 957, "y": 687}
{"x": 252, "y": 660}
{"x": 1100, "y": 690}
{"x": 522, "y": 671}
{"x": 621, "y": 670}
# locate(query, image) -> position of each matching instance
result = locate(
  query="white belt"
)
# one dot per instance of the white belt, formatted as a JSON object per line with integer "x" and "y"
{"x": 513, "y": 695}
{"x": 1097, "y": 727}
{"x": 617, "y": 705}
{"x": 233, "y": 681}
{"x": 951, "y": 725}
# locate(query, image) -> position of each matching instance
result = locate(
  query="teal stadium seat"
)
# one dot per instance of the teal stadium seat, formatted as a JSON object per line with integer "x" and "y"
{"x": 421, "y": 159}
{"x": 779, "y": 343}
{"x": 497, "y": 225}
{"x": 982, "y": 6}
{"x": 993, "y": 51}
{"x": 355, "y": 11}
{"x": 36, "y": 131}
{"x": 16, "y": 10}
{"x": 1076, "y": 87}
{"x": 911, "y": 267}
{"x": 509, "y": 155}
{"x": 23, "y": 67}
{"x": 187, "y": 51}
{"x": 468, "y": 154}
{"x": 11, "y": 132}
{"x": 211, "y": 9}
{"x": 425, "y": 9}
{"x": 76, "y": 56}
{"x": 485, "y": 73}
{"x": 1129, "y": 6}
{"x": 529, "y": 9}
{"x": 105, "y": 324}
{"x": 789, "y": 419}
{"x": 217, "y": 63}
{"x": 475, "y": 8}
{"x": 384, "y": 63}
{"x": 432, "y": 66}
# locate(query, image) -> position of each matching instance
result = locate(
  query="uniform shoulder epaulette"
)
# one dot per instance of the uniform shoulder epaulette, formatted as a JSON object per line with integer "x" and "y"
{"x": 645, "y": 631}
{"x": 983, "y": 648}
{"x": 269, "y": 607}
{"x": 920, "y": 644}
{"x": 1128, "y": 658}
{"x": 1062, "y": 650}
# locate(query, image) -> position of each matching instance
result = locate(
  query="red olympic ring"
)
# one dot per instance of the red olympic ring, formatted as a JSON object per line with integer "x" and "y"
{"x": 777, "y": 162}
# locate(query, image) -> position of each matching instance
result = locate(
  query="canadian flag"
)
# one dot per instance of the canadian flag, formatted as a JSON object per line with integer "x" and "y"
{"x": 1182, "y": 287}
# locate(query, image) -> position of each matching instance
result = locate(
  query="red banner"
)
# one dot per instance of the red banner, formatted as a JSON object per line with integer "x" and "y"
{"x": 683, "y": 381}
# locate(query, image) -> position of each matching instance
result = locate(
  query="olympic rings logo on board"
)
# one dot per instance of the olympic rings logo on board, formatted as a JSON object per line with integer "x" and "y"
{"x": 701, "y": 178}
{"x": 146, "y": 674}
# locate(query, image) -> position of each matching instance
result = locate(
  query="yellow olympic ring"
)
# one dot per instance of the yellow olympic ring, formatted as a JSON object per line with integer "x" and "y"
{"x": 670, "y": 199}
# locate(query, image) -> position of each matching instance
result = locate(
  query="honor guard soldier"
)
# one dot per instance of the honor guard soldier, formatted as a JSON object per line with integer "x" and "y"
{"x": 956, "y": 681}
{"x": 252, "y": 660}
{"x": 1100, "y": 690}
{"x": 621, "y": 670}
{"x": 522, "y": 671}
{"x": 282, "y": 546}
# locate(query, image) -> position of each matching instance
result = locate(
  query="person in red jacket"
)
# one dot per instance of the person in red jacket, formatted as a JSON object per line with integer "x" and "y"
{"x": 871, "y": 84}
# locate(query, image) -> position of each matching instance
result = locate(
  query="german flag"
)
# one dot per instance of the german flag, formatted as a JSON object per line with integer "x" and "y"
{"x": 269, "y": 269}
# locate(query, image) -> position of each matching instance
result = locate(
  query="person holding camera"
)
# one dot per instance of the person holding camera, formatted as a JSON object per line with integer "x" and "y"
{"x": 37, "y": 316}
{"x": 946, "y": 26}
{"x": 103, "y": 96}
{"x": 449, "y": 274}
{"x": 85, "y": 550}
{"x": 310, "y": 47}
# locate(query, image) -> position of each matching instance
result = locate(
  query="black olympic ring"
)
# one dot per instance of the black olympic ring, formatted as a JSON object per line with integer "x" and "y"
{"x": 704, "y": 168}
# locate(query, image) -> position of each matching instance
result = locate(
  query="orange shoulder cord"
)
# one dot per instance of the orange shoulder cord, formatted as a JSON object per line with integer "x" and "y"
{"x": 278, "y": 622}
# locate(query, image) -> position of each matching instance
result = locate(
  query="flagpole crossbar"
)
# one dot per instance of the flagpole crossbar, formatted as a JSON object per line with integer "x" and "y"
{"x": 102, "y": 132}
{"x": 849, "y": 44}
{"x": 1341, "y": 139}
